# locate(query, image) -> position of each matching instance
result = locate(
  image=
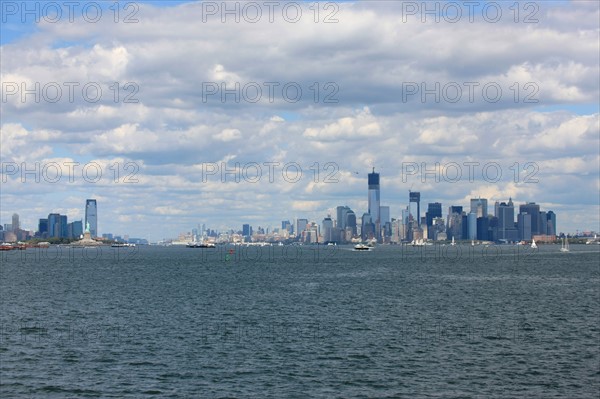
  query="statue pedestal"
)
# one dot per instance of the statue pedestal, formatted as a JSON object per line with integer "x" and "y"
{"x": 86, "y": 241}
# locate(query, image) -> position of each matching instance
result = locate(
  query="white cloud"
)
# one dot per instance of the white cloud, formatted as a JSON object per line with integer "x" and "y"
{"x": 229, "y": 135}
{"x": 362, "y": 125}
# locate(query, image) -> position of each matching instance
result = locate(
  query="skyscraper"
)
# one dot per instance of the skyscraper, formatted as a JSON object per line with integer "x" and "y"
{"x": 43, "y": 228}
{"x": 15, "y": 222}
{"x": 350, "y": 222}
{"x": 286, "y": 226}
{"x": 374, "y": 202}
{"x": 64, "y": 227}
{"x": 505, "y": 212}
{"x": 434, "y": 210}
{"x": 327, "y": 229}
{"x": 455, "y": 209}
{"x": 384, "y": 214}
{"x": 91, "y": 216}
{"x": 483, "y": 229}
{"x": 301, "y": 226}
{"x": 551, "y": 220}
{"x": 454, "y": 227}
{"x": 524, "y": 222}
{"x": 415, "y": 196}
{"x": 543, "y": 223}
{"x": 404, "y": 224}
{"x": 54, "y": 225}
{"x": 367, "y": 230}
{"x": 341, "y": 212}
{"x": 479, "y": 207}
{"x": 76, "y": 229}
{"x": 247, "y": 231}
{"x": 386, "y": 225}
{"x": 472, "y": 225}
{"x": 532, "y": 209}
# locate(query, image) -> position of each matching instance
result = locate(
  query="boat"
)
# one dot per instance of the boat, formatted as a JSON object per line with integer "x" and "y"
{"x": 565, "y": 245}
{"x": 201, "y": 245}
{"x": 417, "y": 243}
{"x": 453, "y": 243}
{"x": 362, "y": 247}
{"x": 533, "y": 244}
{"x": 6, "y": 247}
{"x": 122, "y": 245}
{"x": 593, "y": 241}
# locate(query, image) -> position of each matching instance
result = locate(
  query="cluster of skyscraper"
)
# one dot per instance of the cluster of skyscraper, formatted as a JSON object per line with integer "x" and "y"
{"x": 12, "y": 232}
{"x": 56, "y": 226}
{"x": 375, "y": 224}
{"x": 476, "y": 224}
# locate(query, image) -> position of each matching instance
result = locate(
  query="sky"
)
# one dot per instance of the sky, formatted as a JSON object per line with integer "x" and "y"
{"x": 174, "y": 114}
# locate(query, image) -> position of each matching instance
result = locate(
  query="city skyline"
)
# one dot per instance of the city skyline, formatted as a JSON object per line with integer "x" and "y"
{"x": 512, "y": 226}
{"x": 152, "y": 146}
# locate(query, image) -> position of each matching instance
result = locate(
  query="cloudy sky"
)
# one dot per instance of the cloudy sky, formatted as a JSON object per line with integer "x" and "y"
{"x": 143, "y": 106}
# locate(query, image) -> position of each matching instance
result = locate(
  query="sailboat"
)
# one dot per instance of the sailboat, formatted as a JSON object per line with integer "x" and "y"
{"x": 565, "y": 245}
{"x": 453, "y": 243}
{"x": 533, "y": 244}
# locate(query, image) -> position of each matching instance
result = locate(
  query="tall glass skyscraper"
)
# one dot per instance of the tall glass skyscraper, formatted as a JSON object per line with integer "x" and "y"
{"x": 374, "y": 202}
{"x": 533, "y": 209}
{"x": 505, "y": 212}
{"x": 64, "y": 227}
{"x": 551, "y": 220}
{"x": 91, "y": 217}
{"x": 434, "y": 210}
{"x": 54, "y": 225}
{"x": 351, "y": 221}
{"x": 328, "y": 229}
{"x": 15, "y": 222}
{"x": 415, "y": 196}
